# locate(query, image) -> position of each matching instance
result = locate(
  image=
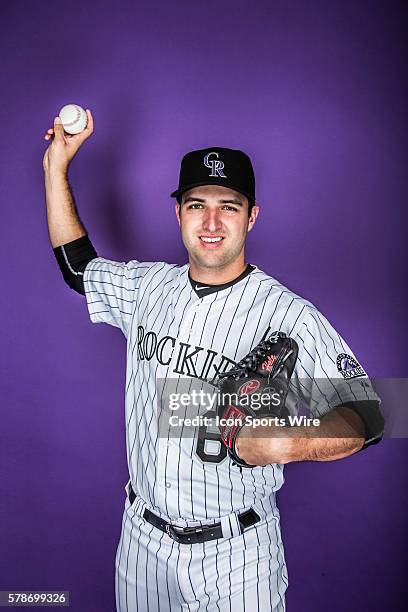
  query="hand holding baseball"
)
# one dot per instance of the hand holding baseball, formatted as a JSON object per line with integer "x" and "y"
{"x": 64, "y": 146}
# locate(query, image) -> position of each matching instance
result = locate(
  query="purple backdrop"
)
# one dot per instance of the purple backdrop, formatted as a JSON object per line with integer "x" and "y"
{"x": 315, "y": 93}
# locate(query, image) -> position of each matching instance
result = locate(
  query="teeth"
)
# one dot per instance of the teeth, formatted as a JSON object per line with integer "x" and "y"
{"x": 204, "y": 239}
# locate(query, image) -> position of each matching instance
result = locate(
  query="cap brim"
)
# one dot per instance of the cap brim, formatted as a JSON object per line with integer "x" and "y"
{"x": 179, "y": 192}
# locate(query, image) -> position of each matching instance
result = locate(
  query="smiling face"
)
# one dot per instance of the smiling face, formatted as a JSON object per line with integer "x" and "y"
{"x": 214, "y": 223}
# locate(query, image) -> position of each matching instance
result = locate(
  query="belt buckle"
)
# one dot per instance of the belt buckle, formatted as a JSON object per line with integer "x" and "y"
{"x": 171, "y": 532}
{"x": 175, "y": 532}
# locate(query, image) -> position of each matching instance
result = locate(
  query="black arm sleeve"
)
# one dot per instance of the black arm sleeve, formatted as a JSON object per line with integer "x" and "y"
{"x": 370, "y": 413}
{"x": 73, "y": 258}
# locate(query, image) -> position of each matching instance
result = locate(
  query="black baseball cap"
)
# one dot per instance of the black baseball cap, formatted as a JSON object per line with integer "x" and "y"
{"x": 217, "y": 166}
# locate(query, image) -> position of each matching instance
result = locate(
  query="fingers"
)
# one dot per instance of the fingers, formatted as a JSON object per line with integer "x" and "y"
{"x": 58, "y": 130}
{"x": 49, "y": 134}
{"x": 90, "y": 125}
{"x": 51, "y": 131}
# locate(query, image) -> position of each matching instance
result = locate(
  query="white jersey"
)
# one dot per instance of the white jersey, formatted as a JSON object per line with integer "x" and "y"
{"x": 173, "y": 333}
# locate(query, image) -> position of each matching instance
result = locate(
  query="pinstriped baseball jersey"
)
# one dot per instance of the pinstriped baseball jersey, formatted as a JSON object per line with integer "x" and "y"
{"x": 173, "y": 333}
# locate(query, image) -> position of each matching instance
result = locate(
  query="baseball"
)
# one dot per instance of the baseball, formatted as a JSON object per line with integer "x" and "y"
{"x": 73, "y": 118}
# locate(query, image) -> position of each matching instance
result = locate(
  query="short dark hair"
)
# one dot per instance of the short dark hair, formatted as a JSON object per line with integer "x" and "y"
{"x": 251, "y": 203}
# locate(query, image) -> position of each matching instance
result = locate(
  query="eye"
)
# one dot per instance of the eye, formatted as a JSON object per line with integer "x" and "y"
{"x": 196, "y": 205}
{"x": 230, "y": 208}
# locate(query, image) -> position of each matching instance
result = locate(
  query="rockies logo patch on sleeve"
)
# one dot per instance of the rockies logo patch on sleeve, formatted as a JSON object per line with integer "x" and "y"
{"x": 348, "y": 366}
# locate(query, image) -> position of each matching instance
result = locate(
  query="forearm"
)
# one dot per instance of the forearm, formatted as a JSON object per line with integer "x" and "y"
{"x": 340, "y": 434}
{"x": 64, "y": 224}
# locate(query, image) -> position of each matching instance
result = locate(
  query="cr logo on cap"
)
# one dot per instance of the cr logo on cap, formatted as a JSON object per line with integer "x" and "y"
{"x": 216, "y": 165}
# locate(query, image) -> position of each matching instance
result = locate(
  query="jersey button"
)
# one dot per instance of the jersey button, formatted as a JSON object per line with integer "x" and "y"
{"x": 168, "y": 485}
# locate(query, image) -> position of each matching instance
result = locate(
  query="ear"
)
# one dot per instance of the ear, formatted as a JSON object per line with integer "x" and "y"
{"x": 253, "y": 217}
{"x": 177, "y": 208}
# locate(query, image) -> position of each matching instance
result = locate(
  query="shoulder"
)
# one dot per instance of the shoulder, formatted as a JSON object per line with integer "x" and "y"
{"x": 293, "y": 309}
{"x": 274, "y": 285}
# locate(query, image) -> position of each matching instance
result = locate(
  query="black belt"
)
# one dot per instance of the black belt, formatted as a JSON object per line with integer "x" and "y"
{"x": 194, "y": 535}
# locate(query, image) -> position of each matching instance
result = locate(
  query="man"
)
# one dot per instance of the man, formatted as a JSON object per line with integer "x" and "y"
{"x": 199, "y": 531}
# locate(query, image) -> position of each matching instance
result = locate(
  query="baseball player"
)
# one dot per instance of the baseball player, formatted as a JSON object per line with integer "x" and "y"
{"x": 201, "y": 528}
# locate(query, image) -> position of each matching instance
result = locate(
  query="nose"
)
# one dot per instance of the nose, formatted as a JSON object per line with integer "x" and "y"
{"x": 212, "y": 221}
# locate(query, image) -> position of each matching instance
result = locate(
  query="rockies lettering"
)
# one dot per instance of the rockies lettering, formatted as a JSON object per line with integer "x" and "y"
{"x": 149, "y": 346}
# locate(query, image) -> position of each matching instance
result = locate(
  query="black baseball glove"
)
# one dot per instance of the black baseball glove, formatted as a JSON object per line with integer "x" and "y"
{"x": 255, "y": 388}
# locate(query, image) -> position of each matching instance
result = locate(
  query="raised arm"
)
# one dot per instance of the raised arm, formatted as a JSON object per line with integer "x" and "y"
{"x": 64, "y": 224}
{"x": 72, "y": 247}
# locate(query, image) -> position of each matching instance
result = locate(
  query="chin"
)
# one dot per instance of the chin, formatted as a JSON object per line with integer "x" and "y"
{"x": 211, "y": 261}
{"x": 207, "y": 263}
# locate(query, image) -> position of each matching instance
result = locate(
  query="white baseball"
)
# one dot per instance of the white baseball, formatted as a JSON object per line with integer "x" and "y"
{"x": 73, "y": 118}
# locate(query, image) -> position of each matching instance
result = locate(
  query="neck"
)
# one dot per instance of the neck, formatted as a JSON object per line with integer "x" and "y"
{"x": 217, "y": 276}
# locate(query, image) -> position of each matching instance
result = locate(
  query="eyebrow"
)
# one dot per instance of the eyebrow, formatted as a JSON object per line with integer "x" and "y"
{"x": 232, "y": 201}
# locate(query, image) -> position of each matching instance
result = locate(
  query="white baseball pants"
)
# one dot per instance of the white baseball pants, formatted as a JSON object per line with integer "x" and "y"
{"x": 242, "y": 573}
